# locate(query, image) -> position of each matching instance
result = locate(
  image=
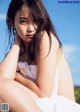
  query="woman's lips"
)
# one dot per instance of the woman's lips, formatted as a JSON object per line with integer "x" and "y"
{"x": 30, "y": 35}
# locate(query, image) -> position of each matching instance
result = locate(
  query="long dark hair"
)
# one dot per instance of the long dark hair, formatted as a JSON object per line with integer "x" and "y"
{"x": 40, "y": 17}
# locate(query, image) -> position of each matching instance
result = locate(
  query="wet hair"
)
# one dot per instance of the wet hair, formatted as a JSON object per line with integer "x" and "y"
{"x": 40, "y": 18}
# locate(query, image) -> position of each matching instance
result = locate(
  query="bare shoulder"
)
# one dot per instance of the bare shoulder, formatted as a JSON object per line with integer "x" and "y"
{"x": 45, "y": 39}
{"x": 45, "y": 43}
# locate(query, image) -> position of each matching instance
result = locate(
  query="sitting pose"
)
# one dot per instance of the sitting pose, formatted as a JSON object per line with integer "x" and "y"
{"x": 34, "y": 76}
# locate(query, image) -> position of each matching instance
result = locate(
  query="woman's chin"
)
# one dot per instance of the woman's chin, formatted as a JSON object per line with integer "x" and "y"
{"x": 28, "y": 40}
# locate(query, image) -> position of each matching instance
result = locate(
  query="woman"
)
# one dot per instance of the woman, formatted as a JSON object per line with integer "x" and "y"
{"x": 35, "y": 66}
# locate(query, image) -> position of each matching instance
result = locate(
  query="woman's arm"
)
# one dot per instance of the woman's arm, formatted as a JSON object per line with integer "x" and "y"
{"x": 46, "y": 71}
{"x": 26, "y": 81}
{"x": 9, "y": 64}
{"x": 47, "y": 64}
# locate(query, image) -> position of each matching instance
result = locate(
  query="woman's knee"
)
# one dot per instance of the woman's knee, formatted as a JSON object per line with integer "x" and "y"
{"x": 2, "y": 81}
{"x": 5, "y": 88}
{"x": 4, "y": 84}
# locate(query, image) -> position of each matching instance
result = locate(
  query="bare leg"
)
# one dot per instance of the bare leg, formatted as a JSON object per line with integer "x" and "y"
{"x": 17, "y": 97}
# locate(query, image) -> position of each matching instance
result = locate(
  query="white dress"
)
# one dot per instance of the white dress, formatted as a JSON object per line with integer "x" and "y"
{"x": 55, "y": 103}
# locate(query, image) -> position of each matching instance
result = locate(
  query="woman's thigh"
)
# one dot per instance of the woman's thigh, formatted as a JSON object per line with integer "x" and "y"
{"x": 19, "y": 98}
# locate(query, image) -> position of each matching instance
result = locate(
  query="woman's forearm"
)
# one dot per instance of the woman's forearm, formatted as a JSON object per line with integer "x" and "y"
{"x": 32, "y": 85}
{"x": 9, "y": 64}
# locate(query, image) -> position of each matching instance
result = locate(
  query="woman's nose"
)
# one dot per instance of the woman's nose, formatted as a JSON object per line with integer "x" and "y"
{"x": 30, "y": 28}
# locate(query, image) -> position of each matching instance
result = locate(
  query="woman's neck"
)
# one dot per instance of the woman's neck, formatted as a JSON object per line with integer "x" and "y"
{"x": 26, "y": 45}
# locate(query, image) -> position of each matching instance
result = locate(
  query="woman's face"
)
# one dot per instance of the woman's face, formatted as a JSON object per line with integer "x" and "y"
{"x": 24, "y": 25}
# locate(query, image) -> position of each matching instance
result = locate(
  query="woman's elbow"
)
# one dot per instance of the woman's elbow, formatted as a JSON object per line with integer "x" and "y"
{"x": 43, "y": 94}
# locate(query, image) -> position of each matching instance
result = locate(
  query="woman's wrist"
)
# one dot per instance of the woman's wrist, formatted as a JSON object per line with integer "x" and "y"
{"x": 16, "y": 47}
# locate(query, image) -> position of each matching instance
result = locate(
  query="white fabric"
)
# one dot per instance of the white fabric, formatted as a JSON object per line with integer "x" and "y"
{"x": 55, "y": 103}
{"x": 65, "y": 105}
{"x": 27, "y": 70}
{"x": 59, "y": 104}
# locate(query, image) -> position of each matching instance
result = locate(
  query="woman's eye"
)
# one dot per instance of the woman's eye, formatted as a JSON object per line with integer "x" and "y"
{"x": 23, "y": 21}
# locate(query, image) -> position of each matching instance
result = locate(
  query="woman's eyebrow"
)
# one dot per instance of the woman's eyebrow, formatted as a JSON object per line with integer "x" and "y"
{"x": 23, "y": 17}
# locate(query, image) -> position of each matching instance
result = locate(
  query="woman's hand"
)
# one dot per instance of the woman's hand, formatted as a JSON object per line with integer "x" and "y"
{"x": 21, "y": 79}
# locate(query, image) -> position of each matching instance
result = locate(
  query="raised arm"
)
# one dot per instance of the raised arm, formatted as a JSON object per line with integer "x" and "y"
{"x": 9, "y": 64}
